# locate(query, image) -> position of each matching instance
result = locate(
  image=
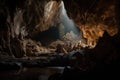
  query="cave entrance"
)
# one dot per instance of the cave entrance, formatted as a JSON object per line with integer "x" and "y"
{"x": 67, "y": 25}
{"x": 66, "y": 30}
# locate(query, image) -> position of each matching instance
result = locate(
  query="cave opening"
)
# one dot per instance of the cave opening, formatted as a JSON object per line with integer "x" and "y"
{"x": 66, "y": 28}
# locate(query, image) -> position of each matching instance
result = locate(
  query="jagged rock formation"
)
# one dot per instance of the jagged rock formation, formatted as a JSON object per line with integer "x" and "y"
{"x": 94, "y": 17}
{"x": 23, "y": 19}
{"x": 98, "y": 21}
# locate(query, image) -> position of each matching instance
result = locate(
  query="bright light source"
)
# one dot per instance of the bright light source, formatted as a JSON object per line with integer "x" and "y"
{"x": 67, "y": 23}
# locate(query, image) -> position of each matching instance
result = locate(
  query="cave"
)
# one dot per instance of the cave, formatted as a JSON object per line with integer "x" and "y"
{"x": 59, "y": 39}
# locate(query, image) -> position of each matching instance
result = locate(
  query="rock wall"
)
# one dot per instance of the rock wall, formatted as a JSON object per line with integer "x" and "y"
{"x": 22, "y": 19}
{"x": 94, "y": 17}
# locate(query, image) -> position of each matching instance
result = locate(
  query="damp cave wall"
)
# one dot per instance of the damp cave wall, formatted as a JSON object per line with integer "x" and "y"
{"x": 106, "y": 54}
{"x": 19, "y": 20}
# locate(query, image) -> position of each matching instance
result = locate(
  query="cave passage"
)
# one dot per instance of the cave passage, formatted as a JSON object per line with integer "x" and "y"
{"x": 51, "y": 39}
{"x": 66, "y": 26}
